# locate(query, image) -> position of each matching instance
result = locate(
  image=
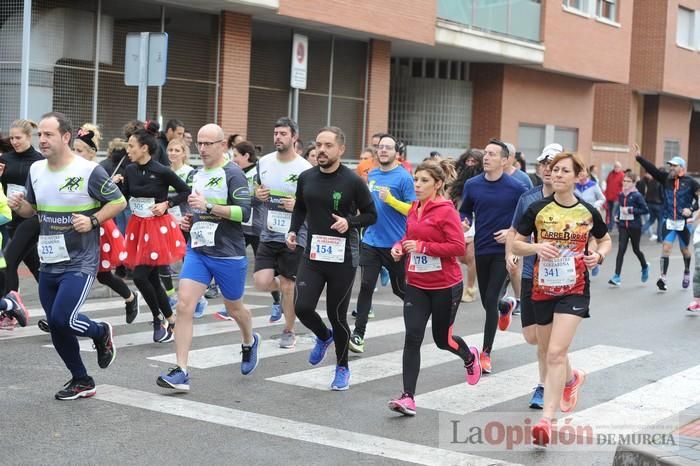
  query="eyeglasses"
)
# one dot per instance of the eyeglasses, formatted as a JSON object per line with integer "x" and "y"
{"x": 208, "y": 144}
{"x": 385, "y": 146}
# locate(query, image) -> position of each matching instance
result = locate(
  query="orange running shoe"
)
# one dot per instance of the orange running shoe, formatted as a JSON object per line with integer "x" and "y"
{"x": 485, "y": 360}
{"x": 505, "y": 311}
{"x": 570, "y": 396}
{"x": 542, "y": 432}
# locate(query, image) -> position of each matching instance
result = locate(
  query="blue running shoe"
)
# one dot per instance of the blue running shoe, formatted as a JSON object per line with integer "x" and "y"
{"x": 276, "y": 313}
{"x": 615, "y": 280}
{"x": 342, "y": 379}
{"x": 645, "y": 274}
{"x": 175, "y": 379}
{"x": 537, "y": 400}
{"x": 159, "y": 331}
{"x": 319, "y": 350}
{"x": 384, "y": 276}
{"x": 595, "y": 271}
{"x": 249, "y": 358}
{"x": 200, "y": 307}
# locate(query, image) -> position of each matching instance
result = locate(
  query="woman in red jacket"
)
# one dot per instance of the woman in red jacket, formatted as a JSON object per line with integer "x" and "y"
{"x": 434, "y": 240}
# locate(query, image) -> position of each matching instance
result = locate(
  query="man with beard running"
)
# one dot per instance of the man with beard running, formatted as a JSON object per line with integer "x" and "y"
{"x": 336, "y": 203}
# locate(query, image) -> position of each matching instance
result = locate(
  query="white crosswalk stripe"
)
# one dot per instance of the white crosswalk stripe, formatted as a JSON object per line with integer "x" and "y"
{"x": 504, "y": 386}
{"x": 388, "y": 364}
{"x": 285, "y": 428}
{"x": 215, "y": 356}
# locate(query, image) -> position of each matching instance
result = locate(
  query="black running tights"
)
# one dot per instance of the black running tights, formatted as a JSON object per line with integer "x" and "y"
{"x": 115, "y": 283}
{"x": 22, "y": 247}
{"x": 491, "y": 273}
{"x": 418, "y": 306}
{"x": 147, "y": 281}
{"x": 632, "y": 235}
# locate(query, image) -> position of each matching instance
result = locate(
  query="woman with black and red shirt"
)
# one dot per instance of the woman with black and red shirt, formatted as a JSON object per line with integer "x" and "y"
{"x": 153, "y": 237}
{"x": 434, "y": 240}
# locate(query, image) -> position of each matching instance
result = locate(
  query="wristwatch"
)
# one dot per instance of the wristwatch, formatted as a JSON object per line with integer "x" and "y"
{"x": 209, "y": 207}
{"x": 601, "y": 258}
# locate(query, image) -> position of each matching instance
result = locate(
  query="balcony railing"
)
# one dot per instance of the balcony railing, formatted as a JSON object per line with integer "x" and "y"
{"x": 519, "y": 19}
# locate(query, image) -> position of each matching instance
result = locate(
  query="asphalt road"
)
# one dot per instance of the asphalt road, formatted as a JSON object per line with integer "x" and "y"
{"x": 635, "y": 347}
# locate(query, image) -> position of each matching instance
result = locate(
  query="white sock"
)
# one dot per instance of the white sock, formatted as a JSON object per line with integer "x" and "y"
{"x": 9, "y": 304}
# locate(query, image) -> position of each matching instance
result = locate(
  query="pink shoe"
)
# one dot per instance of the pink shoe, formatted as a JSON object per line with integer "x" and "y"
{"x": 694, "y": 306}
{"x": 474, "y": 368}
{"x": 7, "y": 323}
{"x": 405, "y": 405}
{"x": 542, "y": 432}
{"x": 19, "y": 311}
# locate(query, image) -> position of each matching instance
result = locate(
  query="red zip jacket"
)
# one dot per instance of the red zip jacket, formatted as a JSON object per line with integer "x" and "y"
{"x": 439, "y": 234}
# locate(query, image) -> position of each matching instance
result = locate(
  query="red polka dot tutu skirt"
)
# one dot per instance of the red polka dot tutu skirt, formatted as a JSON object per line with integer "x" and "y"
{"x": 153, "y": 241}
{"x": 112, "y": 246}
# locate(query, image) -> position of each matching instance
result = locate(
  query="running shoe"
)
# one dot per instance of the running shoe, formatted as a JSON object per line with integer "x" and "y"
{"x": 686, "y": 279}
{"x": 405, "y": 404}
{"x": 505, "y": 311}
{"x": 370, "y": 315}
{"x": 18, "y": 310}
{"x": 132, "y": 308}
{"x": 222, "y": 315}
{"x": 77, "y": 388}
{"x": 212, "y": 291}
{"x": 661, "y": 284}
{"x": 485, "y": 361}
{"x": 473, "y": 368}
{"x": 384, "y": 276}
{"x": 653, "y": 238}
{"x": 288, "y": 339}
{"x": 106, "y": 352}
{"x": 516, "y": 311}
{"x": 469, "y": 295}
{"x": 356, "y": 343}
{"x": 176, "y": 379}
{"x": 694, "y": 306}
{"x": 276, "y": 313}
{"x": 537, "y": 400}
{"x": 7, "y": 322}
{"x": 570, "y": 396}
{"x": 169, "y": 333}
{"x": 159, "y": 332}
{"x": 341, "y": 381}
{"x": 200, "y": 307}
{"x": 43, "y": 325}
{"x": 319, "y": 350}
{"x": 249, "y": 356}
{"x": 615, "y": 280}
{"x": 645, "y": 273}
{"x": 542, "y": 432}
{"x": 595, "y": 271}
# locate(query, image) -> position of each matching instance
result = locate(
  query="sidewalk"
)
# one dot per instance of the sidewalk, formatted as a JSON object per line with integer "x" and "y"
{"x": 684, "y": 452}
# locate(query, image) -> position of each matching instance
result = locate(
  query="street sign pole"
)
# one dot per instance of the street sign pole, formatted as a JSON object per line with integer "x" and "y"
{"x": 143, "y": 77}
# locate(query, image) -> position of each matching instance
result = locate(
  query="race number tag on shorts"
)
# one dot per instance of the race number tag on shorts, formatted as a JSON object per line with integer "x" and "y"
{"x": 422, "y": 263}
{"x": 327, "y": 249}
{"x": 675, "y": 225}
{"x": 557, "y": 272}
{"x": 202, "y": 234}
{"x": 176, "y": 212}
{"x": 278, "y": 222}
{"x": 141, "y": 206}
{"x": 52, "y": 249}
{"x": 15, "y": 188}
{"x": 625, "y": 214}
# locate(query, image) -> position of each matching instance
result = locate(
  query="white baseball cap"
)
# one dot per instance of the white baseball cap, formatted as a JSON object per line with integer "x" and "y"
{"x": 550, "y": 151}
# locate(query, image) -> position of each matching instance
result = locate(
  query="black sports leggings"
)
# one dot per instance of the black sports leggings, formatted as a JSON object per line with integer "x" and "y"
{"x": 491, "y": 273}
{"x": 147, "y": 281}
{"x": 115, "y": 283}
{"x": 338, "y": 279}
{"x": 21, "y": 247}
{"x": 629, "y": 235}
{"x": 418, "y": 306}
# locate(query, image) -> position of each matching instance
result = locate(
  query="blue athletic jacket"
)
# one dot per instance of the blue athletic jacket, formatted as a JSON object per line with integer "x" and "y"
{"x": 679, "y": 193}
